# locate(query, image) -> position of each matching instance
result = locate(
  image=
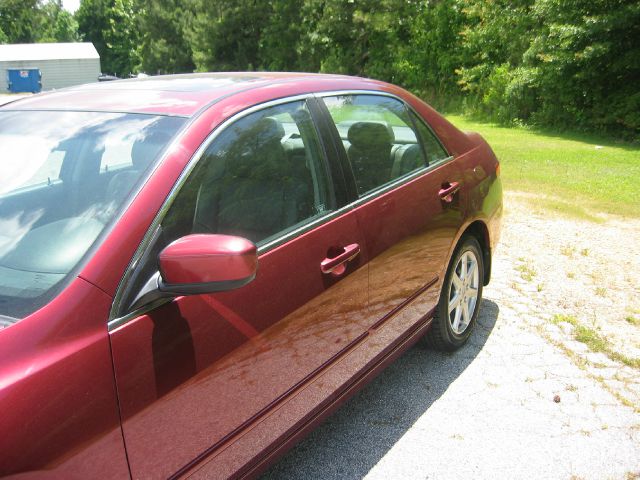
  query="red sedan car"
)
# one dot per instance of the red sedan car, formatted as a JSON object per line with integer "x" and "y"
{"x": 195, "y": 270}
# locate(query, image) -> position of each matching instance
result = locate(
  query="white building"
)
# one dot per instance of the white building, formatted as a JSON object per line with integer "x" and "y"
{"x": 61, "y": 64}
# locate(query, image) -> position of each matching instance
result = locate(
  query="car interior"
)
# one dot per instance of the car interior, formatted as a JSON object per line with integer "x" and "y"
{"x": 263, "y": 177}
{"x": 393, "y": 150}
{"x": 256, "y": 189}
{"x": 54, "y": 217}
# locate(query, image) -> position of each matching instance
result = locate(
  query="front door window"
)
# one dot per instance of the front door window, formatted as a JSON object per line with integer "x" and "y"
{"x": 260, "y": 179}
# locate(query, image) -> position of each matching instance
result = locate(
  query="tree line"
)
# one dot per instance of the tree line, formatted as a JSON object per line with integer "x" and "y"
{"x": 559, "y": 63}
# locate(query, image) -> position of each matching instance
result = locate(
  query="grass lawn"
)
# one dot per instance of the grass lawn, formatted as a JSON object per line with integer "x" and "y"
{"x": 576, "y": 171}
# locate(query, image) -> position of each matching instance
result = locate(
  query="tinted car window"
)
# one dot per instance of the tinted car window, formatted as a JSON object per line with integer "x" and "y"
{"x": 56, "y": 199}
{"x": 262, "y": 177}
{"x": 378, "y": 136}
{"x": 432, "y": 146}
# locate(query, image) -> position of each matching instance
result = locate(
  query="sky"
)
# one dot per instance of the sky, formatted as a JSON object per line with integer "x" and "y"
{"x": 71, "y": 5}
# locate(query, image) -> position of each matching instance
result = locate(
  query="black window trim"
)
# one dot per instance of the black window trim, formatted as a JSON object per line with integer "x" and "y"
{"x": 333, "y": 138}
{"x": 325, "y": 128}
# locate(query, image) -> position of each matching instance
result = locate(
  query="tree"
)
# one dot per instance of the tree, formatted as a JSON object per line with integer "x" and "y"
{"x": 29, "y": 21}
{"x": 365, "y": 37}
{"x": 93, "y": 22}
{"x": 563, "y": 64}
{"x": 111, "y": 25}
{"x": 433, "y": 50}
{"x": 225, "y": 35}
{"x": 550, "y": 62}
{"x": 17, "y": 20}
{"x": 279, "y": 43}
{"x": 164, "y": 47}
{"x": 495, "y": 37}
{"x": 339, "y": 35}
{"x": 587, "y": 59}
{"x": 57, "y": 24}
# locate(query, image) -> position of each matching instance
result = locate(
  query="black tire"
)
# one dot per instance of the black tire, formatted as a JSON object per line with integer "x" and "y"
{"x": 443, "y": 334}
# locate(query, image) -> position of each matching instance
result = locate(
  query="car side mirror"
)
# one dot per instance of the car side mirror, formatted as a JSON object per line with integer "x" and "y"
{"x": 201, "y": 263}
{"x": 198, "y": 264}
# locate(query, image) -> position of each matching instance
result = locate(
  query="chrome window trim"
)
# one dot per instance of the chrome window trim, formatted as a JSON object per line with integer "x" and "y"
{"x": 116, "y": 322}
{"x": 276, "y": 242}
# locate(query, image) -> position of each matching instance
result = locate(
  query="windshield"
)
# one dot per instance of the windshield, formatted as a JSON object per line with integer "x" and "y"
{"x": 63, "y": 177}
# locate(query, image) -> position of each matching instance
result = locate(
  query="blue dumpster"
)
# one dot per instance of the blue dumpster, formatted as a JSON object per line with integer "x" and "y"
{"x": 24, "y": 80}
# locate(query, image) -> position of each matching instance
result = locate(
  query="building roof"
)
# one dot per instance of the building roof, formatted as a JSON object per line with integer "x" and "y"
{"x": 46, "y": 51}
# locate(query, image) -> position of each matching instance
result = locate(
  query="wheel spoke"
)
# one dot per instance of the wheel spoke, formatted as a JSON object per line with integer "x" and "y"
{"x": 457, "y": 281}
{"x": 472, "y": 305}
{"x": 456, "y": 319}
{"x": 473, "y": 273}
{"x": 455, "y": 302}
{"x": 471, "y": 292}
{"x": 465, "y": 313}
{"x": 463, "y": 267}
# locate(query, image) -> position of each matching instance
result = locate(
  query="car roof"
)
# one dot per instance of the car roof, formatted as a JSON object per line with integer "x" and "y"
{"x": 181, "y": 95}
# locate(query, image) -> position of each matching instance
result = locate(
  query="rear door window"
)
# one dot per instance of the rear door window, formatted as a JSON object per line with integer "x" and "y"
{"x": 433, "y": 148}
{"x": 379, "y": 138}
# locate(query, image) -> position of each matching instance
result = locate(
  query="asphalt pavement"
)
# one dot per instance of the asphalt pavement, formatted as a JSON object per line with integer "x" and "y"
{"x": 507, "y": 405}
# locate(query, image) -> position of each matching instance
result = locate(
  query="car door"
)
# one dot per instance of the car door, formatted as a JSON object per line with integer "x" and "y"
{"x": 405, "y": 195}
{"x": 196, "y": 372}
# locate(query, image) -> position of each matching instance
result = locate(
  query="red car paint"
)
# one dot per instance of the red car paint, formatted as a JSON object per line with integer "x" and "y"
{"x": 208, "y": 258}
{"x": 219, "y": 385}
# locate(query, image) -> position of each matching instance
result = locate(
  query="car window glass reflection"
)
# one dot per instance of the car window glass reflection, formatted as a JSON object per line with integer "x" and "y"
{"x": 59, "y": 187}
{"x": 432, "y": 146}
{"x": 378, "y": 136}
{"x": 262, "y": 177}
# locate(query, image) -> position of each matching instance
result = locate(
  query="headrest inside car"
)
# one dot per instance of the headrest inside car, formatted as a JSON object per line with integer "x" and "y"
{"x": 370, "y": 135}
{"x": 268, "y": 128}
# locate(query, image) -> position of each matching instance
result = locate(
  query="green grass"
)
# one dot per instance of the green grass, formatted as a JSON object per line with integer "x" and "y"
{"x": 526, "y": 272}
{"x": 594, "y": 340}
{"x": 569, "y": 168}
{"x": 632, "y": 320}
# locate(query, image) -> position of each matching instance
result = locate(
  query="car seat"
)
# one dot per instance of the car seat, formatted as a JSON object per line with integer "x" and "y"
{"x": 369, "y": 153}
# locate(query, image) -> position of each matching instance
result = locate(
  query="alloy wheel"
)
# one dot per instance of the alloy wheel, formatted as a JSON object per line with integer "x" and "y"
{"x": 463, "y": 292}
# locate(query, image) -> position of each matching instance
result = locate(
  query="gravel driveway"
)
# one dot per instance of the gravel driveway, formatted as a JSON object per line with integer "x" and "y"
{"x": 523, "y": 399}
